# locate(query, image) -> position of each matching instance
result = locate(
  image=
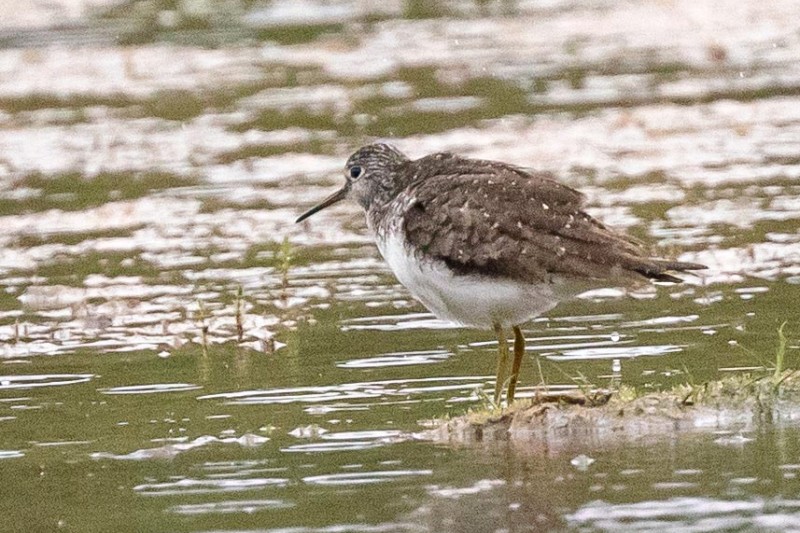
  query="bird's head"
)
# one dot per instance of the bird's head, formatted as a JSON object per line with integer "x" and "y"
{"x": 371, "y": 175}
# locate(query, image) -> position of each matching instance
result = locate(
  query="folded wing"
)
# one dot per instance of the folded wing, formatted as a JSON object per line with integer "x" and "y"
{"x": 496, "y": 219}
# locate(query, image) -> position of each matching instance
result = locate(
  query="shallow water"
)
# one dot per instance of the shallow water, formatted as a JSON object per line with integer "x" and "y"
{"x": 177, "y": 355}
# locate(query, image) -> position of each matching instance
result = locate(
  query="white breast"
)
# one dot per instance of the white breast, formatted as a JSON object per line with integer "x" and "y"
{"x": 477, "y": 301}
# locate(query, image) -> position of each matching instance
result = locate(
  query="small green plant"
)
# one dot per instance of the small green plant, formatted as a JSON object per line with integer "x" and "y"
{"x": 285, "y": 258}
{"x": 542, "y": 381}
{"x": 201, "y": 317}
{"x": 627, "y": 393}
{"x": 239, "y": 318}
{"x": 780, "y": 354}
{"x": 581, "y": 381}
{"x": 487, "y": 410}
{"x": 694, "y": 389}
{"x": 486, "y": 400}
{"x": 780, "y": 374}
{"x": 778, "y": 364}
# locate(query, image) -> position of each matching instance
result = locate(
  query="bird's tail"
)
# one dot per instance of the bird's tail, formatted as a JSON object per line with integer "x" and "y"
{"x": 658, "y": 269}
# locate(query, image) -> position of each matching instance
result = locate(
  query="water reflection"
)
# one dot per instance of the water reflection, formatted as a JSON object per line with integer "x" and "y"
{"x": 178, "y": 445}
{"x": 186, "y": 487}
{"x": 398, "y": 359}
{"x": 34, "y": 381}
{"x": 229, "y": 507}
{"x": 365, "y": 478}
{"x": 153, "y": 388}
{"x": 10, "y": 454}
{"x": 351, "y": 391}
{"x": 690, "y": 514}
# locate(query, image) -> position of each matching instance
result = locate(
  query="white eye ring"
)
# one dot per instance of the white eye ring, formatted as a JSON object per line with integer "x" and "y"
{"x": 356, "y": 171}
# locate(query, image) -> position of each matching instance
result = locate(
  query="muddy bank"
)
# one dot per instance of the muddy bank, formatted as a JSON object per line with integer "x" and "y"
{"x": 560, "y": 423}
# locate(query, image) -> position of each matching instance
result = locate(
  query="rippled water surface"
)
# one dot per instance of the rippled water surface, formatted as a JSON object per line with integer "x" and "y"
{"x": 177, "y": 355}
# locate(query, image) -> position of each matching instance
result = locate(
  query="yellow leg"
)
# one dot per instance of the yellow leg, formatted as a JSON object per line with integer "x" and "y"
{"x": 502, "y": 362}
{"x": 519, "y": 351}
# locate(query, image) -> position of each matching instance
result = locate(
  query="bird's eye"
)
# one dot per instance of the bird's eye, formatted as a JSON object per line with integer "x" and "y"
{"x": 356, "y": 171}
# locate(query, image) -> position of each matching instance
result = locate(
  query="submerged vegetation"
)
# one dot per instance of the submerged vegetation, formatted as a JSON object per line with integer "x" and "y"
{"x": 72, "y": 191}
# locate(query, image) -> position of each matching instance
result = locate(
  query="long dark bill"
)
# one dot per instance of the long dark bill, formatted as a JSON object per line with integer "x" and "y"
{"x": 338, "y": 196}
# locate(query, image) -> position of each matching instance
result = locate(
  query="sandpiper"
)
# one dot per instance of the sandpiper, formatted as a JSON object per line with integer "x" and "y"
{"x": 487, "y": 244}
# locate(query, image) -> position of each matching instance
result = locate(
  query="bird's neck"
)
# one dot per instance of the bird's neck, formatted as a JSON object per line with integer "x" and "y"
{"x": 383, "y": 191}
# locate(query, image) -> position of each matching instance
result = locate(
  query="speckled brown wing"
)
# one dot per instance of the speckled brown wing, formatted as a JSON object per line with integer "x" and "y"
{"x": 496, "y": 219}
